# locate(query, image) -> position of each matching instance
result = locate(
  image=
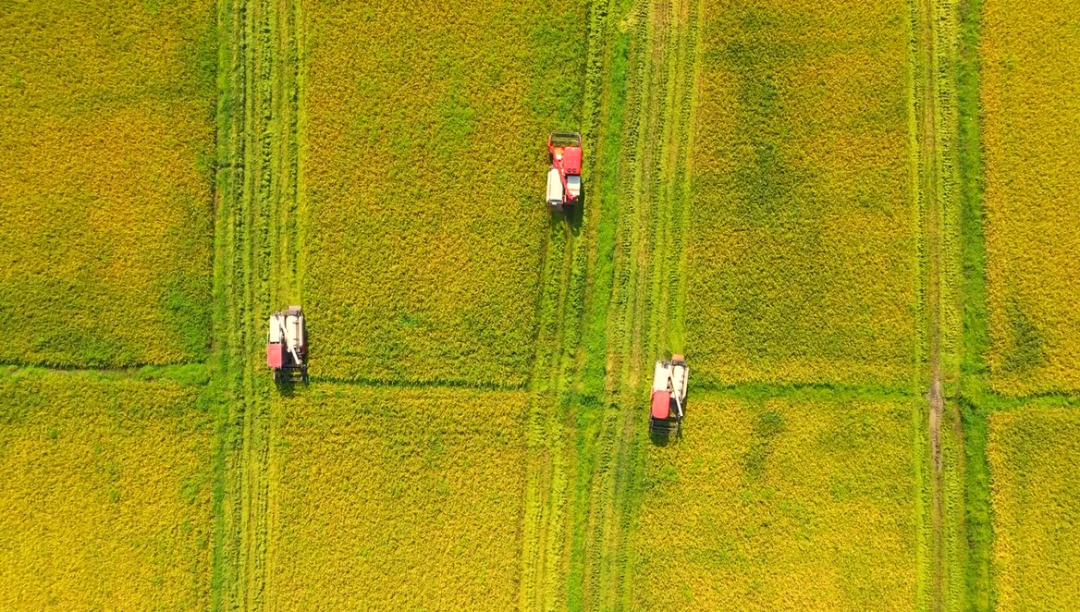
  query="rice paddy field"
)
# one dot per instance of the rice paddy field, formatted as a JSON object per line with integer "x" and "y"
{"x": 1036, "y": 501}
{"x": 425, "y": 243}
{"x": 803, "y": 233}
{"x": 1031, "y": 55}
{"x": 106, "y": 185}
{"x": 852, "y": 217}
{"x": 390, "y": 501}
{"x": 106, "y": 494}
{"x": 783, "y": 505}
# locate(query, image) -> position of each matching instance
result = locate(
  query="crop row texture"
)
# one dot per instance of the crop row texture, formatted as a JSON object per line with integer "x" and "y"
{"x": 105, "y": 495}
{"x": 781, "y": 506}
{"x": 1030, "y": 99}
{"x": 803, "y": 235}
{"x": 105, "y": 186}
{"x": 1034, "y": 456}
{"x": 423, "y": 172}
{"x": 398, "y": 500}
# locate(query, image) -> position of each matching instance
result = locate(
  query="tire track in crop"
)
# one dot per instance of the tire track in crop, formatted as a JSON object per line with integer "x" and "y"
{"x": 546, "y": 470}
{"x": 936, "y": 116}
{"x": 255, "y": 259}
{"x": 256, "y": 184}
{"x": 569, "y": 261}
{"x": 647, "y": 296}
{"x": 230, "y": 239}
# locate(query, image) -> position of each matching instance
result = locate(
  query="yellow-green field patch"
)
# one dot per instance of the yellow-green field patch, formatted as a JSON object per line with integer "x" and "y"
{"x": 397, "y": 500}
{"x": 802, "y": 241}
{"x": 105, "y": 187}
{"x": 1034, "y": 456}
{"x": 781, "y": 506}
{"x": 105, "y": 491}
{"x": 423, "y": 172}
{"x": 1030, "y": 102}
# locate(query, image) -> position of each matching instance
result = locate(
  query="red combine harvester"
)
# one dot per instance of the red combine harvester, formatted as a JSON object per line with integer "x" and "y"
{"x": 564, "y": 176}
{"x": 286, "y": 345}
{"x": 668, "y": 396}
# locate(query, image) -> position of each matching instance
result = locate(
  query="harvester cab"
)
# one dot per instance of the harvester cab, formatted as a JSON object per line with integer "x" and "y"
{"x": 564, "y": 176}
{"x": 668, "y": 396}
{"x": 286, "y": 345}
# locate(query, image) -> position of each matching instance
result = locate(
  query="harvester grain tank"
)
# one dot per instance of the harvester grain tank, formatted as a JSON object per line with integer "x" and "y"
{"x": 668, "y": 396}
{"x": 286, "y": 345}
{"x": 564, "y": 176}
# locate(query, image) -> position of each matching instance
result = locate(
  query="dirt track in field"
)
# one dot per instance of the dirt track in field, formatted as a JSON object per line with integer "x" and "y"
{"x": 928, "y": 102}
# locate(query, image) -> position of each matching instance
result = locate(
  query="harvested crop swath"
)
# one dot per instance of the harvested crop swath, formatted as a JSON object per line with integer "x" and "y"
{"x": 1034, "y": 456}
{"x": 423, "y": 168}
{"x": 781, "y": 506}
{"x": 105, "y": 185}
{"x": 1030, "y": 100}
{"x": 398, "y": 500}
{"x": 106, "y": 495}
{"x": 802, "y": 240}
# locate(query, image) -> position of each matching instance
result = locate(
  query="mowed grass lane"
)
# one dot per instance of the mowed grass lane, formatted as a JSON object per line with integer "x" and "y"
{"x": 106, "y": 490}
{"x": 106, "y": 204}
{"x": 1030, "y": 100}
{"x": 423, "y": 165}
{"x": 802, "y": 246}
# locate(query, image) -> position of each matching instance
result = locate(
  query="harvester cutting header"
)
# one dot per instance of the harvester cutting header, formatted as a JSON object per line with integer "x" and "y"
{"x": 564, "y": 176}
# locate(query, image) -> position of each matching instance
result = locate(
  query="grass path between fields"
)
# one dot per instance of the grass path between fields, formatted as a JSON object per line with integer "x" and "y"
{"x": 935, "y": 112}
{"x": 647, "y": 318}
{"x": 254, "y": 271}
{"x": 612, "y": 300}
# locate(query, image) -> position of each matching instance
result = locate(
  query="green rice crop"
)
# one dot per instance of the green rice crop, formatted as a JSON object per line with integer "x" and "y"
{"x": 105, "y": 494}
{"x": 802, "y": 247}
{"x": 106, "y": 201}
{"x": 423, "y": 172}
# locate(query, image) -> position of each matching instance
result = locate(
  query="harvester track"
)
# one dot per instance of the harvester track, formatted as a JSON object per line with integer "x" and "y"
{"x": 934, "y": 53}
{"x": 256, "y": 240}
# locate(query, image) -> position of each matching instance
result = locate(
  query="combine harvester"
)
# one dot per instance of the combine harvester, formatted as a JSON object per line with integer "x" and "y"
{"x": 668, "y": 396}
{"x": 286, "y": 345}
{"x": 564, "y": 176}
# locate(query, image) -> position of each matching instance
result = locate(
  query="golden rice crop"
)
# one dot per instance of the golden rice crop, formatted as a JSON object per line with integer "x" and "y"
{"x": 1034, "y": 456}
{"x": 105, "y": 495}
{"x": 105, "y": 187}
{"x": 802, "y": 241}
{"x": 423, "y": 169}
{"x": 397, "y": 500}
{"x": 1030, "y": 85}
{"x": 784, "y": 505}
